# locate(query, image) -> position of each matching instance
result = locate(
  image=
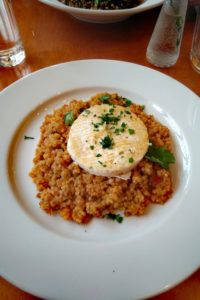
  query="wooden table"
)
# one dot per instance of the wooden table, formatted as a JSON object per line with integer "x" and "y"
{"x": 51, "y": 36}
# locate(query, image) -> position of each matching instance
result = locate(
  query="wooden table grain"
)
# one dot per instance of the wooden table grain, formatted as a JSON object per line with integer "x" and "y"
{"x": 51, "y": 37}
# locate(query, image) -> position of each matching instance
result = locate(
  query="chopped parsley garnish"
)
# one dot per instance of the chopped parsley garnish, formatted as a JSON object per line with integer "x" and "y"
{"x": 87, "y": 111}
{"x": 96, "y": 125}
{"x": 69, "y": 118}
{"x": 142, "y": 107}
{"x": 127, "y": 102}
{"x": 100, "y": 162}
{"x": 127, "y": 112}
{"x": 115, "y": 217}
{"x": 160, "y": 155}
{"x": 117, "y": 131}
{"x": 108, "y": 119}
{"x": 98, "y": 155}
{"x": 131, "y": 131}
{"x": 123, "y": 127}
{"x": 92, "y": 147}
{"x": 104, "y": 98}
{"x": 28, "y": 137}
{"x": 130, "y": 160}
{"x": 106, "y": 142}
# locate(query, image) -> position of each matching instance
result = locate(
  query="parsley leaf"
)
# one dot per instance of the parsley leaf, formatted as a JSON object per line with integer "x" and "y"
{"x": 114, "y": 217}
{"x": 69, "y": 118}
{"x": 160, "y": 155}
{"x": 87, "y": 112}
{"x": 106, "y": 142}
{"x": 131, "y": 131}
{"x": 117, "y": 131}
{"x": 127, "y": 112}
{"x": 104, "y": 98}
{"x": 28, "y": 137}
{"x": 127, "y": 102}
{"x": 108, "y": 119}
{"x": 123, "y": 125}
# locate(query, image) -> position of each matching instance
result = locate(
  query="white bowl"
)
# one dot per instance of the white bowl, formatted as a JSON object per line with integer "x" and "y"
{"x": 103, "y": 16}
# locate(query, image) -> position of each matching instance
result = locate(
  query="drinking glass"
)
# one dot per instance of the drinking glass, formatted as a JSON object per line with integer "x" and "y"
{"x": 11, "y": 49}
{"x": 195, "y": 50}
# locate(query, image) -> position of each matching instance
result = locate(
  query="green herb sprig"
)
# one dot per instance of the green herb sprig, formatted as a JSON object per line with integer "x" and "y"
{"x": 127, "y": 102}
{"x": 104, "y": 98}
{"x": 69, "y": 118}
{"x": 160, "y": 155}
{"x": 107, "y": 142}
{"x": 28, "y": 137}
{"x": 115, "y": 217}
{"x": 108, "y": 119}
{"x": 131, "y": 131}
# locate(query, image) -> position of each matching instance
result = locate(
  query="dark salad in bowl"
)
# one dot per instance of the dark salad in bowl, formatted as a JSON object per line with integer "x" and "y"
{"x": 103, "y": 4}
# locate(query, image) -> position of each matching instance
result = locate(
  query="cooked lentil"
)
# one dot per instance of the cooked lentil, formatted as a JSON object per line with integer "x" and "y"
{"x": 103, "y": 4}
{"x": 64, "y": 188}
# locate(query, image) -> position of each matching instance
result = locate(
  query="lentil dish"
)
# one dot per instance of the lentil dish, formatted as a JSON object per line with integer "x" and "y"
{"x": 102, "y": 4}
{"x": 65, "y": 188}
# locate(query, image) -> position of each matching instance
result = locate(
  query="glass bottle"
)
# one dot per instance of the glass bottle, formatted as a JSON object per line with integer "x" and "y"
{"x": 195, "y": 49}
{"x": 164, "y": 46}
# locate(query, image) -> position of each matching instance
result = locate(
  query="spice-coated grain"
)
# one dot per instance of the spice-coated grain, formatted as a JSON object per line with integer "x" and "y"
{"x": 64, "y": 188}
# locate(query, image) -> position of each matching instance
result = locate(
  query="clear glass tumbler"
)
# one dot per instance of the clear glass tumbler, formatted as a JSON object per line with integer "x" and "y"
{"x": 164, "y": 46}
{"x": 195, "y": 50}
{"x": 11, "y": 49}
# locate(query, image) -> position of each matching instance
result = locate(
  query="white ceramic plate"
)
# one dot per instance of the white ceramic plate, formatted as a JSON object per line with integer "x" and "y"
{"x": 56, "y": 259}
{"x": 102, "y": 16}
